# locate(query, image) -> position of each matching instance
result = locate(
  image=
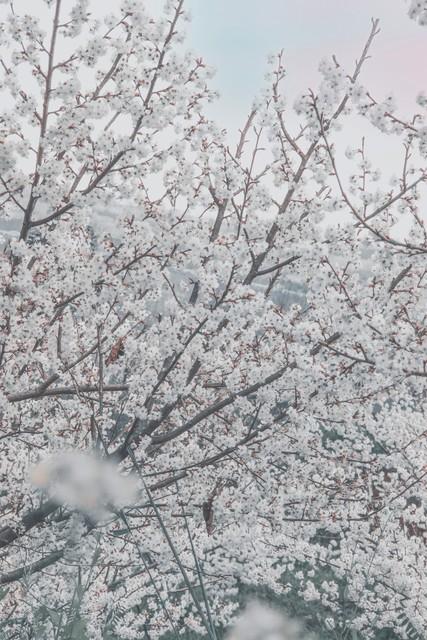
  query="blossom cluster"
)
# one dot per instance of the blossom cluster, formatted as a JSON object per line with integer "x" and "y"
{"x": 239, "y": 330}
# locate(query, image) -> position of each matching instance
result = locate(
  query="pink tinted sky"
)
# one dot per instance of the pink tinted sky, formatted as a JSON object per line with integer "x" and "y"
{"x": 235, "y": 36}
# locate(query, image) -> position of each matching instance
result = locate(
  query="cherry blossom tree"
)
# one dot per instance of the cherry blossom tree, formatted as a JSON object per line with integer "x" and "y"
{"x": 170, "y": 429}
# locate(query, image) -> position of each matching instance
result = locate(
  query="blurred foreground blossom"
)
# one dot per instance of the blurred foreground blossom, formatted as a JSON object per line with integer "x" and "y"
{"x": 84, "y": 482}
{"x": 259, "y": 622}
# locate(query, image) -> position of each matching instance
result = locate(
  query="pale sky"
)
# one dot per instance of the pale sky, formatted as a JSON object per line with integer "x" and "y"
{"x": 235, "y": 36}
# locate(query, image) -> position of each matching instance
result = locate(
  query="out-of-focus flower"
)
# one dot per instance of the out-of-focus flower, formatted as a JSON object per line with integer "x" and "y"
{"x": 84, "y": 482}
{"x": 418, "y": 11}
{"x": 259, "y": 622}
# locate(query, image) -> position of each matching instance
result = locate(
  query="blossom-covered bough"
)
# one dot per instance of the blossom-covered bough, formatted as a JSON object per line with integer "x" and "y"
{"x": 141, "y": 327}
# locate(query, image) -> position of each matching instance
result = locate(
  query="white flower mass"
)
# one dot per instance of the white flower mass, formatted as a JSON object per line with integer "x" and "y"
{"x": 212, "y": 339}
